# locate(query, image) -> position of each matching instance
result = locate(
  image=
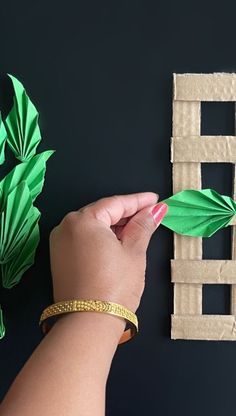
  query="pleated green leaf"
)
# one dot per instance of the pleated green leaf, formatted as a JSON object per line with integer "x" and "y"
{"x": 13, "y": 270}
{"x": 198, "y": 213}
{"x": 2, "y": 327}
{"x": 32, "y": 172}
{"x": 19, "y": 228}
{"x": 16, "y": 222}
{"x": 22, "y": 124}
{"x": 3, "y": 137}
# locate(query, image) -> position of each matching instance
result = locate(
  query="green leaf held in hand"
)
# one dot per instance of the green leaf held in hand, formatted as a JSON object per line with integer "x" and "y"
{"x": 22, "y": 124}
{"x": 198, "y": 213}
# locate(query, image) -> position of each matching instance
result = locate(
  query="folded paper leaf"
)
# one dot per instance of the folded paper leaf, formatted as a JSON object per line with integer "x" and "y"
{"x": 19, "y": 235}
{"x": 13, "y": 270}
{"x": 3, "y": 137}
{"x": 19, "y": 229}
{"x": 16, "y": 222}
{"x": 198, "y": 213}
{"x": 2, "y": 327}
{"x": 22, "y": 124}
{"x": 32, "y": 172}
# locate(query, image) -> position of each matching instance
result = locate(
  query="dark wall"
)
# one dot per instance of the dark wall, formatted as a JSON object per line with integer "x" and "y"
{"x": 100, "y": 73}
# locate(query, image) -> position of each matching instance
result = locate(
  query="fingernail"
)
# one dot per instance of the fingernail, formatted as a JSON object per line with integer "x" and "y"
{"x": 159, "y": 211}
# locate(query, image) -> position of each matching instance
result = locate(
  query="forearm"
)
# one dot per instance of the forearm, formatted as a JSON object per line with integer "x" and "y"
{"x": 67, "y": 373}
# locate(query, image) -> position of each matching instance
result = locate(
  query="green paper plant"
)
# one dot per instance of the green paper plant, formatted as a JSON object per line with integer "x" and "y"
{"x": 19, "y": 218}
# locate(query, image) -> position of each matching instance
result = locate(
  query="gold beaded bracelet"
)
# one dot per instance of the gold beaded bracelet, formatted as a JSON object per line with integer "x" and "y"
{"x": 111, "y": 308}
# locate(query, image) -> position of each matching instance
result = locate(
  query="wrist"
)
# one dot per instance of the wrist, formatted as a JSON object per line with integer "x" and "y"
{"x": 96, "y": 334}
{"x": 109, "y": 327}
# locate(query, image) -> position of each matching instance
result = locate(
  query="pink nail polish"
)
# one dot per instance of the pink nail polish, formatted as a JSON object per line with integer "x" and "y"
{"x": 159, "y": 211}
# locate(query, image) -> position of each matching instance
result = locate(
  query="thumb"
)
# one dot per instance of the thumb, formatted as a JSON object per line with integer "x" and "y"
{"x": 138, "y": 231}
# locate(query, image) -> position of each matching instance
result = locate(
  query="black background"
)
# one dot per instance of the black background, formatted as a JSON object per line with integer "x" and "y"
{"x": 100, "y": 73}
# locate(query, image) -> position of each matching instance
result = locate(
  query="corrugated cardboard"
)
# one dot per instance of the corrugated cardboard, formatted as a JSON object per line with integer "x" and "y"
{"x": 203, "y": 149}
{"x": 204, "y": 327}
{"x": 188, "y": 150}
{"x": 203, "y": 271}
{"x": 205, "y": 87}
{"x": 186, "y": 121}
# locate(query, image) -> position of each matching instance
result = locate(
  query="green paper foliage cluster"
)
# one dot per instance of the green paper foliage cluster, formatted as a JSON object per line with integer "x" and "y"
{"x": 198, "y": 213}
{"x": 19, "y": 218}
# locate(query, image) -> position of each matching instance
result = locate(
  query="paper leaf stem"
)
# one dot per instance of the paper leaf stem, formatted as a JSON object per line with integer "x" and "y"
{"x": 2, "y": 327}
{"x": 32, "y": 172}
{"x": 22, "y": 124}
{"x": 16, "y": 222}
{"x": 3, "y": 137}
{"x": 198, "y": 213}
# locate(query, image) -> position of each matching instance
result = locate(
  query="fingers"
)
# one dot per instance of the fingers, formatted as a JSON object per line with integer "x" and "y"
{"x": 138, "y": 231}
{"x": 112, "y": 209}
{"x": 122, "y": 222}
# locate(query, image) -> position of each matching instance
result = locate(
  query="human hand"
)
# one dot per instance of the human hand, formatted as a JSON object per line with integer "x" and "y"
{"x": 99, "y": 252}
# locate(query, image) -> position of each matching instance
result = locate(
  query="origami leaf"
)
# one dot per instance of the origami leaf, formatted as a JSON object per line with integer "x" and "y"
{"x": 22, "y": 124}
{"x": 32, "y": 172}
{"x": 19, "y": 229}
{"x": 22, "y": 236}
{"x": 13, "y": 270}
{"x": 198, "y": 213}
{"x": 2, "y": 327}
{"x": 16, "y": 222}
{"x": 3, "y": 137}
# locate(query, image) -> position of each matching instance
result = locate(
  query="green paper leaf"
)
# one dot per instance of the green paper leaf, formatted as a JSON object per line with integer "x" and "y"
{"x": 198, "y": 213}
{"x": 16, "y": 222}
{"x": 19, "y": 228}
{"x": 22, "y": 124}
{"x": 19, "y": 235}
{"x": 32, "y": 172}
{"x": 2, "y": 327}
{"x": 13, "y": 270}
{"x": 3, "y": 137}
